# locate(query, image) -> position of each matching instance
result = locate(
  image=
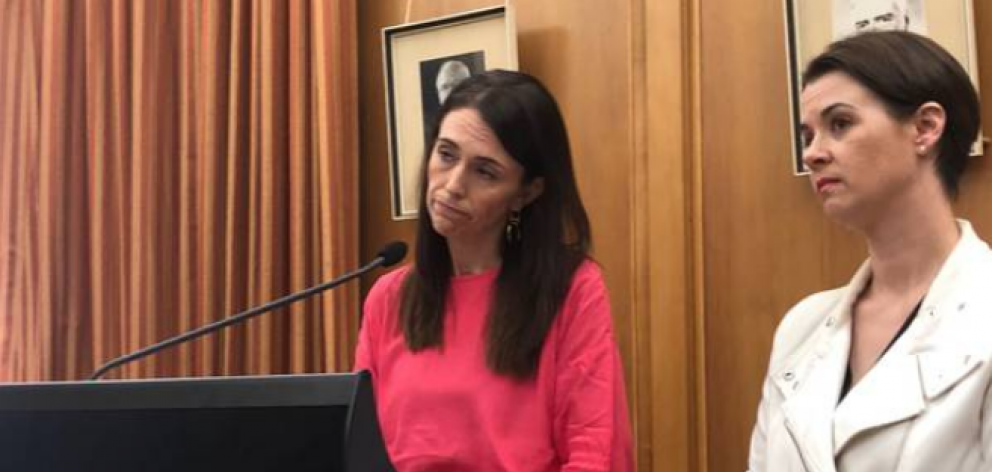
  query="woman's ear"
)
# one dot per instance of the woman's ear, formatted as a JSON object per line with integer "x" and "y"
{"x": 928, "y": 123}
{"x": 530, "y": 191}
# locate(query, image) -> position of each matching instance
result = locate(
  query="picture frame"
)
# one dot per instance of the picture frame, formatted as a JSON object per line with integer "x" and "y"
{"x": 423, "y": 61}
{"x": 948, "y": 22}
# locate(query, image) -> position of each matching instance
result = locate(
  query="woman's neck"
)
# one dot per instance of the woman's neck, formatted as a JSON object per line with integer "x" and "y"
{"x": 908, "y": 248}
{"x": 470, "y": 257}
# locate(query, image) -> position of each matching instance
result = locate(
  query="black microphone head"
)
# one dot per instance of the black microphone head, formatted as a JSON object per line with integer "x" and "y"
{"x": 392, "y": 253}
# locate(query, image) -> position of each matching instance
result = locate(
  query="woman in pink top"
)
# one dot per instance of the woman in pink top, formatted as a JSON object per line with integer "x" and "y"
{"x": 494, "y": 350}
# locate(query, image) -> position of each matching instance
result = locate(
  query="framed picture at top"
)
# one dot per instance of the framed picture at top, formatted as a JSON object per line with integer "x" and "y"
{"x": 811, "y": 25}
{"x": 423, "y": 63}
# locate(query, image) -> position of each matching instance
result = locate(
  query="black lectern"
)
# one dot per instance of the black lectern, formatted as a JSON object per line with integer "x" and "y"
{"x": 295, "y": 423}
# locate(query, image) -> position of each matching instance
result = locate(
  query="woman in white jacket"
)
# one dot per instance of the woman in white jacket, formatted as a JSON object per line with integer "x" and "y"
{"x": 891, "y": 372}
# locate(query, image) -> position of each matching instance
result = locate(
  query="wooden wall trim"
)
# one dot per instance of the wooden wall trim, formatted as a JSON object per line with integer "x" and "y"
{"x": 697, "y": 265}
{"x": 640, "y": 393}
{"x": 663, "y": 196}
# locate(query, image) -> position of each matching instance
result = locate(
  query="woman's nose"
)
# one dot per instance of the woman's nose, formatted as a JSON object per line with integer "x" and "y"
{"x": 815, "y": 155}
{"x": 455, "y": 184}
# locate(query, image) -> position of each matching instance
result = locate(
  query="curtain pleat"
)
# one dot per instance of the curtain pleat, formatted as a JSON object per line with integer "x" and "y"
{"x": 166, "y": 164}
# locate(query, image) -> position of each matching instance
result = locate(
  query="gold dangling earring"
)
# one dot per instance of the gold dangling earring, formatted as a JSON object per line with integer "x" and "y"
{"x": 513, "y": 235}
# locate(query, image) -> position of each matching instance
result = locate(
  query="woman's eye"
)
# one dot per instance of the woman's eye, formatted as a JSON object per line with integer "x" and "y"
{"x": 487, "y": 174}
{"x": 839, "y": 125}
{"x": 445, "y": 156}
{"x": 806, "y": 138}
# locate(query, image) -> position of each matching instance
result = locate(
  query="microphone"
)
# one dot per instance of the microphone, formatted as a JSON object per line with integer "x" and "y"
{"x": 391, "y": 254}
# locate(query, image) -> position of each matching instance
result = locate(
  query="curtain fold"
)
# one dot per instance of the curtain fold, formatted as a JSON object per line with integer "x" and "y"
{"x": 166, "y": 164}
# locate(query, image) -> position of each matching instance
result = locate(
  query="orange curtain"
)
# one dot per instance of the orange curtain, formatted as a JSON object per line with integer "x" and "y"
{"x": 165, "y": 164}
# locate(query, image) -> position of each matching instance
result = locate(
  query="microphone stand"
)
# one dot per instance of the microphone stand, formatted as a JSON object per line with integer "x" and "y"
{"x": 238, "y": 318}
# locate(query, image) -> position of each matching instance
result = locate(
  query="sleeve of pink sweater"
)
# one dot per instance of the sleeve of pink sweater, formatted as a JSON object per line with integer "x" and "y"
{"x": 591, "y": 419}
{"x": 381, "y": 299}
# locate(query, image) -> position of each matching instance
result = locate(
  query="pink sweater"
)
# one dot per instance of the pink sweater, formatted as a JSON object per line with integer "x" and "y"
{"x": 445, "y": 410}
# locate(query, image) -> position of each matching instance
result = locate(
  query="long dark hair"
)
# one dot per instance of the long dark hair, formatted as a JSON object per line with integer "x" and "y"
{"x": 536, "y": 271}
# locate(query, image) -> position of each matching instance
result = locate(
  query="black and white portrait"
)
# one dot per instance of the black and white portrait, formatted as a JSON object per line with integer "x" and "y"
{"x": 858, "y": 16}
{"x": 439, "y": 76}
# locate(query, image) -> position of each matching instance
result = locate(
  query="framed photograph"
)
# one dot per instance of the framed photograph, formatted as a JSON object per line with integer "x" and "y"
{"x": 813, "y": 24}
{"x": 423, "y": 62}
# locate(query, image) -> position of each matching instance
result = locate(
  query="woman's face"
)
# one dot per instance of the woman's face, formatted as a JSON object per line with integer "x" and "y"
{"x": 472, "y": 182}
{"x": 861, "y": 159}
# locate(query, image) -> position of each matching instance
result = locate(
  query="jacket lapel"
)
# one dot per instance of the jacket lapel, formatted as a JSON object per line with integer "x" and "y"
{"x": 891, "y": 392}
{"x": 810, "y": 392}
{"x": 919, "y": 366}
{"x": 810, "y": 382}
{"x": 939, "y": 371}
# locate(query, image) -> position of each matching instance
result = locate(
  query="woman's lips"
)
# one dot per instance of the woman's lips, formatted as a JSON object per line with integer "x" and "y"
{"x": 824, "y": 184}
{"x": 448, "y": 210}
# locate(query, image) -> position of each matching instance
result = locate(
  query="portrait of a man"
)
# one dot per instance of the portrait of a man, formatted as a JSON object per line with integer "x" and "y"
{"x": 859, "y": 16}
{"x": 439, "y": 76}
{"x": 449, "y": 75}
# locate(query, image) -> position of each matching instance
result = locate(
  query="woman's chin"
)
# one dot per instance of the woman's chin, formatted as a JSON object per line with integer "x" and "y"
{"x": 843, "y": 215}
{"x": 444, "y": 228}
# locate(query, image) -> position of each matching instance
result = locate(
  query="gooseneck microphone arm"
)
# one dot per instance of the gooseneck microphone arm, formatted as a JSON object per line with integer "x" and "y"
{"x": 391, "y": 254}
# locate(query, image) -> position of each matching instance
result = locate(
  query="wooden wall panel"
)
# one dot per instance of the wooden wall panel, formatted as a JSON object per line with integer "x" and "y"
{"x": 666, "y": 361}
{"x": 765, "y": 241}
{"x": 975, "y": 202}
